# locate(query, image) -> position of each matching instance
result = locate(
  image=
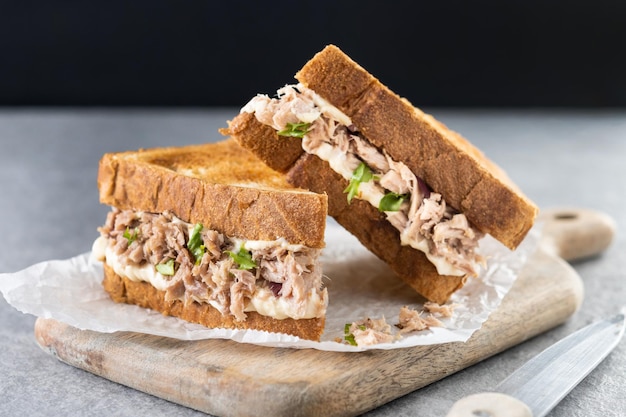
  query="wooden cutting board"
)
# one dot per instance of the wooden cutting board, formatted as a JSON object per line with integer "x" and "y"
{"x": 226, "y": 378}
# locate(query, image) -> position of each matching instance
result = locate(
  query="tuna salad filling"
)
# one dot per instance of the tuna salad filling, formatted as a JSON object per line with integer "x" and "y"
{"x": 192, "y": 263}
{"x": 422, "y": 217}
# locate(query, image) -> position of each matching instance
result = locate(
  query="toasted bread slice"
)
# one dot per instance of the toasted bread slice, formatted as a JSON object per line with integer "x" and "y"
{"x": 220, "y": 185}
{"x": 279, "y": 153}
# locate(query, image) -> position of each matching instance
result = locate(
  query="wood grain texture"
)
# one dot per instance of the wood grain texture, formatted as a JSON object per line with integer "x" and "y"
{"x": 225, "y": 378}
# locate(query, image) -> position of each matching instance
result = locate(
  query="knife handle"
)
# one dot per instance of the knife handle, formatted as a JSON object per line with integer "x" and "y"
{"x": 576, "y": 233}
{"x": 489, "y": 404}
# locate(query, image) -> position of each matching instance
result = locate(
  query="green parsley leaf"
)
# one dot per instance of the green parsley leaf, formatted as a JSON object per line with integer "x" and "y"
{"x": 392, "y": 201}
{"x": 243, "y": 259}
{"x": 195, "y": 244}
{"x": 295, "y": 130}
{"x": 166, "y": 268}
{"x": 131, "y": 237}
{"x": 349, "y": 337}
{"x": 362, "y": 173}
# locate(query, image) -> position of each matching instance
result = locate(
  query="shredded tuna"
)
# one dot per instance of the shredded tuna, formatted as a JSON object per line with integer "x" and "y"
{"x": 140, "y": 238}
{"x": 426, "y": 222}
{"x": 368, "y": 153}
{"x": 371, "y": 337}
{"x": 215, "y": 275}
{"x": 371, "y": 331}
{"x": 432, "y": 321}
{"x": 213, "y": 242}
{"x": 242, "y": 287}
{"x": 441, "y": 310}
{"x": 412, "y": 320}
{"x": 392, "y": 181}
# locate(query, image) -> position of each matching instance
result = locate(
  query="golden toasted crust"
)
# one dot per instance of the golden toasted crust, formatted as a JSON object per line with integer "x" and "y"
{"x": 220, "y": 185}
{"x": 123, "y": 290}
{"x": 279, "y": 152}
{"x": 446, "y": 161}
{"x": 372, "y": 229}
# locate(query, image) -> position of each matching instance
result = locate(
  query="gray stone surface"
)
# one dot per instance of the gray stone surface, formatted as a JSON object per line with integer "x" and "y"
{"x": 49, "y": 210}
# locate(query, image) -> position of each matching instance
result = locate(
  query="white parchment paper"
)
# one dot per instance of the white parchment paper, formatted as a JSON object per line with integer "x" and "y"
{"x": 359, "y": 285}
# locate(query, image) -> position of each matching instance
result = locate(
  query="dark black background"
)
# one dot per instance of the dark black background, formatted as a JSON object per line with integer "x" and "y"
{"x": 205, "y": 53}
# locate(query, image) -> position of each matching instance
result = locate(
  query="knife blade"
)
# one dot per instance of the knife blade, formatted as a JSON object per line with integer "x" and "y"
{"x": 538, "y": 385}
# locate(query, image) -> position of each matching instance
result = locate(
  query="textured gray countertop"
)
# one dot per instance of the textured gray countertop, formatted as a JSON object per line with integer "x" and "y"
{"x": 49, "y": 210}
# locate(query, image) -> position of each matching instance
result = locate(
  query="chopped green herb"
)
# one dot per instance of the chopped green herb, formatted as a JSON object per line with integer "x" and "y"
{"x": 131, "y": 237}
{"x": 349, "y": 337}
{"x": 195, "y": 245}
{"x": 295, "y": 130}
{"x": 362, "y": 173}
{"x": 166, "y": 268}
{"x": 243, "y": 259}
{"x": 392, "y": 201}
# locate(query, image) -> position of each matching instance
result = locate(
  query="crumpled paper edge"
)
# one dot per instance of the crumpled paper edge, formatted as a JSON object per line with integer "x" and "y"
{"x": 42, "y": 290}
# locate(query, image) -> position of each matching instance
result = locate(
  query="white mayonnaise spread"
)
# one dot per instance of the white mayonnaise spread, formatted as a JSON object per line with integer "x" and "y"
{"x": 265, "y": 244}
{"x": 443, "y": 267}
{"x": 266, "y": 304}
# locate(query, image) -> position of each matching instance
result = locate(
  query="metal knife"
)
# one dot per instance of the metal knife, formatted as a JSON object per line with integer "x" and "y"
{"x": 536, "y": 387}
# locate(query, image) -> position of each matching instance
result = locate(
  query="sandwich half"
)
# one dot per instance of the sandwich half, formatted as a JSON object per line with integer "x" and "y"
{"x": 415, "y": 193}
{"x": 210, "y": 234}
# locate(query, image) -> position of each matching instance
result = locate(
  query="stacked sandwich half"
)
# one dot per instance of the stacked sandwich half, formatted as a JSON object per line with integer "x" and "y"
{"x": 415, "y": 193}
{"x": 229, "y": 234}
{"x": 210, "y": 234}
